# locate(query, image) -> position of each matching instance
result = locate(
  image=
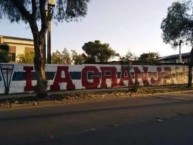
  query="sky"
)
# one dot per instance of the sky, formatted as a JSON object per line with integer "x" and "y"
{"x": 126, "y": 25}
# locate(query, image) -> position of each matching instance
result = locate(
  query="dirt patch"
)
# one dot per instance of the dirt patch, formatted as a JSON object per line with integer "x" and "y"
{"x": 78, "y": 96}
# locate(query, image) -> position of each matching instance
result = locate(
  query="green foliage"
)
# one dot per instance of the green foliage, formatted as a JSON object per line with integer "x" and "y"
{"x": 70, "y": 9}
{"x": 78, "y": 58}
{"x": 98, "y": 52}
{"x": 177, "y": 26}
{"x": 127, "y": 57}
{"x": 33, "y": 12}
{"x": 21, "y": 10}
{"x": 149, "y": 58}
{"x": 4, "y": 53}
{"x": 28, "y": 58}
{"x": 61, "y": 57}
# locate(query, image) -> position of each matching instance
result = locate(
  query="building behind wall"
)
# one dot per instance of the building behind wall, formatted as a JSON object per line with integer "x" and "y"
{"x": 17, "y": 46}
{"x": 175, "y": 58}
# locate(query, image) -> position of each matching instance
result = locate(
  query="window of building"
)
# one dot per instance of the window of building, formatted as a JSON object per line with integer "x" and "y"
{"x": 11, "y": 57}
{"x": 29, "y": 50}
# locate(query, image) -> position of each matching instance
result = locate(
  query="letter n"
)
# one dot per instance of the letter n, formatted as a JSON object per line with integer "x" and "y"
{"x": 124, "y": 77}
{"x": 158, "y": 80}
{"x": 142, "y": 75}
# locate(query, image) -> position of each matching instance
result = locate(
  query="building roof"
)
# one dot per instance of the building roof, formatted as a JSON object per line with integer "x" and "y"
{"x": 16, "y": 38}
{"x": 175, "y": 56}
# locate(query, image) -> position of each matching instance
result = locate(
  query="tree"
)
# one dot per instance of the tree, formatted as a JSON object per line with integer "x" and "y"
{"x": 78, "y": 58}
{"x": 33, "y": 12}
{"x": 149, "y": 58}
{"x": 61, "y": 57}
{"x": 98, "y": 52}
{"x": 175, "y": 25}
{"x": 4, "y": 53}
{"x": 127, "y": 57}
{"x": 177, "y": 28}
{"x": 27, "y": 58}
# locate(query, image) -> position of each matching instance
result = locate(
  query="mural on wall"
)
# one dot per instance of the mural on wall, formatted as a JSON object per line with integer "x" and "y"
{"x": 21, "y": 78}
{"x": 6, "y": 75}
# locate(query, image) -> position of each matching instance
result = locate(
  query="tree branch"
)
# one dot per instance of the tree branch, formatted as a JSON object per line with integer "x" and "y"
{"x": 21, "y": 8}
{"x": 43, "y": 17}
{"x": 34, "y": 9}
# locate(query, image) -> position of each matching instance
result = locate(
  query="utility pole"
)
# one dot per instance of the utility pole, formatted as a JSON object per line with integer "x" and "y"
{"x": 51, "y": 4}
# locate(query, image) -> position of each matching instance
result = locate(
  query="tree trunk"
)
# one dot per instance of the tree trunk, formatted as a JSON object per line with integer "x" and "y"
{"x": 190, "y": 69}
{"x": 39, "y": 65}
{"x": 180, "y": 53}
{"x": 189, "y": 76}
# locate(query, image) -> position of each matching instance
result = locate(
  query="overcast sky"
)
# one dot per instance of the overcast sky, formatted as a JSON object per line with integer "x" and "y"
{"x": 127, "y": 25}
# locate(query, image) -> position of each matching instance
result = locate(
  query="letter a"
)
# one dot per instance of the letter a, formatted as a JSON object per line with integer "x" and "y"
{"x": 60, "y": 79}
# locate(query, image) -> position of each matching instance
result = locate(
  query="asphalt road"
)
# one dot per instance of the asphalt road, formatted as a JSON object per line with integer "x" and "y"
{"x": 153, "y": 120}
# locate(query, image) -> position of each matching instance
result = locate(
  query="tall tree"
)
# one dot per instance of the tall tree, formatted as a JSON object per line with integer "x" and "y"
{"x": 98, "y": 52}
{"x": 33, "y": 12}
{"x": 61, "y": 57}
{"x": 175, "y": 25}
{"x": 177, "y": 28}
{"x": 149, "y": 58}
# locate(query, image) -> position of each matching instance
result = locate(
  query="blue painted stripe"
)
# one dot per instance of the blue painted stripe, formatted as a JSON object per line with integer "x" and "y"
{"x": 50, "y": 75}
{"x": 20, "y": 76}
{"x": 75, "y": 75}
{"x": 90, "y": 75}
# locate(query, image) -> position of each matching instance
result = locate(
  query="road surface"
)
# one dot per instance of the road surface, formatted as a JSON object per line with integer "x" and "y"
{"x": 147, "y": 120}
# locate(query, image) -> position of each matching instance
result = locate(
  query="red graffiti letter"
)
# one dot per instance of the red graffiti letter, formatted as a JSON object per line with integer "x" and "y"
{"x": 167, "y": 77}
{"x": 143, "y": 76}
{"x": 112, "y": 75}
{"x": 167, "y": 72}
{"x": 28, "y": 78}
{"x": 125, "y": 76}
{"x": 153, "y": 80}
{"x": 94, "y": 75}
{"x": 60, "y": 79}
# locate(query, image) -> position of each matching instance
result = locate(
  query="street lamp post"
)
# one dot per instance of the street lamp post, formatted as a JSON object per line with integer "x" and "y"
{"x": 51, "y": 4}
